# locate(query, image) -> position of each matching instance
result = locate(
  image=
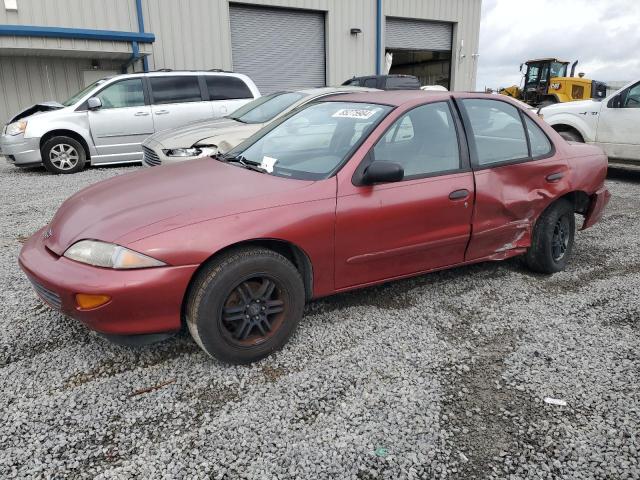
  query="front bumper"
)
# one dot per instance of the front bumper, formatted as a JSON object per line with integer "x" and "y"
{"x": 144, "y": 301}
{"x": 599, "y": 201}
{"x": 20, "y": 151}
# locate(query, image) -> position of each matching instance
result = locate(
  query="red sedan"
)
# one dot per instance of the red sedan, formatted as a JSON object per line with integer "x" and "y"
{"x": 351, "y": 191}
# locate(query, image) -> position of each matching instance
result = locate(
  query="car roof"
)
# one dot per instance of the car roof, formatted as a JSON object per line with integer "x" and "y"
{"x": 394, "y": 98}
{"x": 340, "y": 89}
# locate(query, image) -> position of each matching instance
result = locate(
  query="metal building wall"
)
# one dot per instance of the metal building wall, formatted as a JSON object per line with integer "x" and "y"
{"x": 92, "y": 14}
{"x": 25, "y": 80}
{"x": 196, "y": 34}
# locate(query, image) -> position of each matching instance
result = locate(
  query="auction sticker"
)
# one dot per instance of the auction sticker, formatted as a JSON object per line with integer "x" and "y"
{"x": 358, "y": 113}
{"x": 268, "y": 163}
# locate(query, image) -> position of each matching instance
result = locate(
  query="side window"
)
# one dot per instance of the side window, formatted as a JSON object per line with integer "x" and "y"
{"x": 540, "y": 144}
{"x": 175, "y": 89}
{"x": 632, "y": 99}
{"x": 424, "y": 141}
{"x": 126, "y": 93}
{"x": 222, "y": 87}
{"x": 370, "y": 83}
{"x": 497, "y": 131}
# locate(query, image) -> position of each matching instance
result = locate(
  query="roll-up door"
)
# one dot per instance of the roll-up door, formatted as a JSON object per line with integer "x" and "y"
{"x": 280, "y": 49}
{"x": 409, "y": 34}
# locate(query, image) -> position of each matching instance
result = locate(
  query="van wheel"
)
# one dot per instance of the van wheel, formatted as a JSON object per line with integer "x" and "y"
{"x": 570, "y": 136}
{"x": 245, "y": 305}
{"x": 553, "y": 238}
{"x": 63, "y": 155}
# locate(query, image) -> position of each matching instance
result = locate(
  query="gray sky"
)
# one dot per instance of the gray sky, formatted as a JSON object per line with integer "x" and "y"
{"x": 604, "y": 35}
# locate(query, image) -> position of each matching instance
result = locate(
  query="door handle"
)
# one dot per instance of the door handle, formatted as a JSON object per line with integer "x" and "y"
{"x": 459, "y": 194}
{"x": 162, "y": 112}
{"x": 141, "y": 114}
{"x": 554, "y": 177}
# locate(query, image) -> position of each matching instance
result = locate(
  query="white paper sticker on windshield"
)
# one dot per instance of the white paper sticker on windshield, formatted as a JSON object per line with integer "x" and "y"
{"x": 359, "y": 113}
{"x": 268, "y": 163}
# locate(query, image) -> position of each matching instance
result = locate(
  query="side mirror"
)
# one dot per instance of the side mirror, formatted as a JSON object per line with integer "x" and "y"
{"x": 383, "y": 172}
{"x": 94, "y": 103}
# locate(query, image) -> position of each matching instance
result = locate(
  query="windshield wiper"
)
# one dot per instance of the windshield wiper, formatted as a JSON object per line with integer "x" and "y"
{"x": 244, "y": 162}
{"x": 237, "y": 119}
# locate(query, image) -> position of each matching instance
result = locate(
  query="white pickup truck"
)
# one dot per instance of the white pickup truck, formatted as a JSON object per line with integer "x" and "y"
{"x": 613, "y": 123}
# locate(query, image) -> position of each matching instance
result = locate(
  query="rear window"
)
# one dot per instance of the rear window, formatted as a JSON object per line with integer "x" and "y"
{"x": 402, "y": 83}
{"x": 222, "y": 87}
{"x": 175, "y": 89}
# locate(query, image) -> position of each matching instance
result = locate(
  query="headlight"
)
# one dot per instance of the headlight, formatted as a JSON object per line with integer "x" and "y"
{"x": 190, "y": 152}
{"x": 109, "y": 255}
{"x": 16, "y": 128}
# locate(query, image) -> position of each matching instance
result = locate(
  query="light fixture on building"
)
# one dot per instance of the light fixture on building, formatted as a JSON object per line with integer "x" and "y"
{"x": 11, "y": 5}
{"x": 356, "y": 31}
{"x": 95, "y": 65}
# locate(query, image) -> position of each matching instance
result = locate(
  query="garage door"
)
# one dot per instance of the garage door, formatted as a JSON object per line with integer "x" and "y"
{"x": 278, "y": 48}
{"x": 403, "y": 33}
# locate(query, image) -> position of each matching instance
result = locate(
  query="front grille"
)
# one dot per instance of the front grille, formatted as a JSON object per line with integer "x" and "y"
{"x": 52, "y": 298}
{"x": 150, "y": 157}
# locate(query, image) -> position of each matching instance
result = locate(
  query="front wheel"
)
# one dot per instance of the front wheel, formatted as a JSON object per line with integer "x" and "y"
{"x": 553, "y": 238}
{"x": 63, "y": 155}
{"x": 570, "y": 136}
{"x": 245, "y": 305}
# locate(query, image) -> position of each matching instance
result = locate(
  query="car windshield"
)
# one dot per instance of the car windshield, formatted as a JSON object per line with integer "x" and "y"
{"x": 266, "y": 108}
{"x": 83, "y": 92}
{"x": 312, "y": 143}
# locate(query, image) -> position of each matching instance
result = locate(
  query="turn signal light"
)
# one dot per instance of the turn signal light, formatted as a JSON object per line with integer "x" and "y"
{"x": 86, "y": 301}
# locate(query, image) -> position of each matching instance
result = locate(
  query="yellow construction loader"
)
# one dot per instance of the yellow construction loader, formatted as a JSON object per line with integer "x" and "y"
{"x": 546, "y": 82}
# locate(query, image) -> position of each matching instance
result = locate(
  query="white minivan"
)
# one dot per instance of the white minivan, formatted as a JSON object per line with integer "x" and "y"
{"x": 106, "y": 122}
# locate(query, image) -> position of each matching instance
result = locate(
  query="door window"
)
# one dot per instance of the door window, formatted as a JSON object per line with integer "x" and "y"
{"x": 498, "y": 133}
{"x": 424, "y": 141}
{"x": 540, "y": 144}
{"x": 222, "y": 87}
{"x": 371, "y": 83}
{"x": 126, "y": 93}
{"x": 632, "y": 99}
{"x": 175, "y": 89}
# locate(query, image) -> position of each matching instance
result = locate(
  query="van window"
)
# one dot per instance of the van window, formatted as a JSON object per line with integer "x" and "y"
{"x": 222, "y": 87}
{"x": 126, "y": 93}
{"x": 497, "y": 131}
{"x": 175, "y": 89}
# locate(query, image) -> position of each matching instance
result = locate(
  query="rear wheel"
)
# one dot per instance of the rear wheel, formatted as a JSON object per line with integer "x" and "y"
{"x": 63, "y": 155}
{"x": 553, "y": 238}
{"x": 245, "y": 305}
{"x": 570, "y": 136}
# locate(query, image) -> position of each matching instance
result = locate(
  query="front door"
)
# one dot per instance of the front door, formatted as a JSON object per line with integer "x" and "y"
{"x": 122, "y": 123}
{"x": 516, "y": 173}
{"x": 619, "y": 125}
{"x": 423, "y": 222}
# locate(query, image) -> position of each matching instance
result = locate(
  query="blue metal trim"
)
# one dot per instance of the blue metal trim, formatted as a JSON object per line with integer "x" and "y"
{"x": 140, "y": 14}
{"x": 378, "y": 37}
{"x": 79, "y": 33}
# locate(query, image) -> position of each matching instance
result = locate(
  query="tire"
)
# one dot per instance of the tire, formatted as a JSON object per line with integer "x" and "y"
{"x": 62, "y": 155}
{"x": 235, "y": 315}
{"x": 553, "y": 238}
{"x": 570, "y": 136}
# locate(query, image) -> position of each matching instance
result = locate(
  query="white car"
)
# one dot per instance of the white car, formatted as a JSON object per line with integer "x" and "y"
{"x": 613, "y": 123}
{"x": 106, "y": 122}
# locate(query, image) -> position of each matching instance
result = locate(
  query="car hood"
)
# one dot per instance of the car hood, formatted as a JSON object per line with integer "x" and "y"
{"x": 191, "y": 134}
{"x": 133, "y": 206}
{"x": 36, "y": 108}
{"x": 572, "y": 107}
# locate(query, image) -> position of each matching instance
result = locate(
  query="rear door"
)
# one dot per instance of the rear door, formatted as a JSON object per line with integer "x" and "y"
{"x": 415, "y": 225}
{"x": 177, "y": 100}
{"x": 122, "y": 123}
{"x": 226, "y": 94}
{"x": 618, "y": 126}
{"x": 517, "y": 174}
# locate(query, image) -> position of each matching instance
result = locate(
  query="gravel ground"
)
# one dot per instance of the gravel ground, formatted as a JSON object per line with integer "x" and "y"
{"x": 442, "y": 376}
